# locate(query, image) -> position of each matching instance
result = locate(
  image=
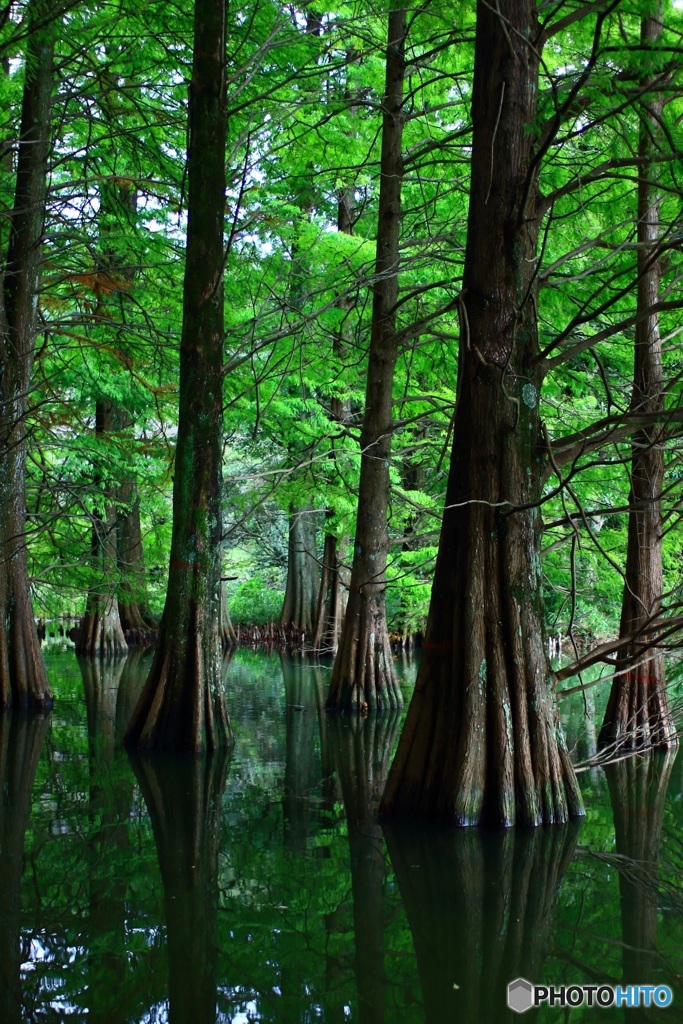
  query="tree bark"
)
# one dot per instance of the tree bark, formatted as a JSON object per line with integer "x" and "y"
{"x": 23, "y": 681}
{"x": 182, "y": 707}
{"x": 301, "y": 591}
{"x": 101, "y": 633}
{"x": 482, "y": 740}
{"x": 364, "y": 676}
{"x": 334, "y": 581}
{"x": 638, "y": 714}
{"x": 137, "y": 621}
{"x": 228, "y": 634}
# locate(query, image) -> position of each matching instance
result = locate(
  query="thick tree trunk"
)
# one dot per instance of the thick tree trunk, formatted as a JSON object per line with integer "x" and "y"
{"x": 638, "y": 714}
{"x": 482, "y": 740}
{"x": 480, "y": 907}
{"x": 301, "y": 591}
{"x": 23, "y": 681}
{"x": 21, "y": 741}
{"x": 637, "y": 788}
{"x": 364, "y": 675}
{"x": 184, "y": 803}
{"x": 182, "y": 707}
{"x": 101, "y": 632}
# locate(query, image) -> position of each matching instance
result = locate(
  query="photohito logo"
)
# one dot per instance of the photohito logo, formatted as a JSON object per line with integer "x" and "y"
{"x": 522, "y": 995}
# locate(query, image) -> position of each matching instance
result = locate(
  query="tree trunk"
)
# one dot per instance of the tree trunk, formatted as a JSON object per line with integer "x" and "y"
{"x": 184, "y": 802}
{"x": 480, "y": 906}
{"x": 638, "y": 714}
{"x": 182, "y": 707}
{"x": 101, "y": 632}
{"x": 23, "y": 681}
{"x": 331, "y": 598}
{"x": 228, "y": 634}
{"x": 364, "y": 675}
{"x": 334, "y": 580}
{"x": 21, "y": 741}
{"x": 482, "y": 741}
{"x": 301, "y": 592}
{"x": 136, "y": 619}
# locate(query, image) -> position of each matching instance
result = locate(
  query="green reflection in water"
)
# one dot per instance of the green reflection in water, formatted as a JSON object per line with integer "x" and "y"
{"x": 177, "y": 890}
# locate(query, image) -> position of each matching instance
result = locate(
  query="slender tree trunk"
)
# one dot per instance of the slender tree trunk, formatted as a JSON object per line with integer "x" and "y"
{"x": 228, "y": 634}
{"x": 101, "y": 632}
{"x": 334, "y": 582}
{"x": 23, "y": 681}
{"x": 301, "y": 592}
{"x": 638, "y": 714}
{"x": 364, "y": 675}
{"x": 482, "y": 739}
{"x": 182, "y": 707}
{"x": 136, "y": 619}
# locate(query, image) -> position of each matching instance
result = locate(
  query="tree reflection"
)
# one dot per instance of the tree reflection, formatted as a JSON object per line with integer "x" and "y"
{"x": 363, "y": 749}
{"x": 637, "y": 789}
{"x": 183, "y": 796}
{"x": 480, "y": 905}
{"x": 21, "y": 741}
{"x": 301, "y": 776}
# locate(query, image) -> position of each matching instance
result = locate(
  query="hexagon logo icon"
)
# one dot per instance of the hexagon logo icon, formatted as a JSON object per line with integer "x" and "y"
{"x": 520, "y": 995}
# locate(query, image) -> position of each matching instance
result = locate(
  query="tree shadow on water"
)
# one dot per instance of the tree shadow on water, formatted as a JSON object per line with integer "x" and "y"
{"x": 481, "y": 906}
{"x": 21, "y": 741}
{"x": 183, "y": 796}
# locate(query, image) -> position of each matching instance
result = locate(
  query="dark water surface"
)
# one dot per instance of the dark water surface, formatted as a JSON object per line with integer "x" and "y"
{"x": 262, "y": 888}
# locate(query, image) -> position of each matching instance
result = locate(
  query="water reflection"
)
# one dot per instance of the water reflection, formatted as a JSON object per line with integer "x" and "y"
{"x": 364, "y": 748}
{"x": 21, "y": 741}
{"x": 481, "y": 909}
{"x": 637, "y": 789}
{"x": 183, "y": 798}
{"x": 301, "y": 728}
{"x": 120, "y": 885}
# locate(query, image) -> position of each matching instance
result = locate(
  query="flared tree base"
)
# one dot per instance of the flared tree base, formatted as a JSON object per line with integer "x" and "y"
{"x": 364, "y": 676}
{"x": 638, "y": 716}
{"x": 182, "y": 708}
{"x": 23, "y": 680}
{"x": 101, "y": 634}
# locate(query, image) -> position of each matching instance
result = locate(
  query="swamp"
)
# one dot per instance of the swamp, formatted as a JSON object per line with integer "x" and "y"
{"x": 341, "y": 498}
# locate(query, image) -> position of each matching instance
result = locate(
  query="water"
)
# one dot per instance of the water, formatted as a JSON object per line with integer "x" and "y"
{"x": 262, "y": 888}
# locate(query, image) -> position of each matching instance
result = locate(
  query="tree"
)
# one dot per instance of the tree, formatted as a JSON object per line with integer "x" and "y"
{"x": 364, "y": 675}
{"x": 23, "y": 682}
{"x": 182, "y": 707}
{"x": 482, "y": 740}
{"x": 638, "y": 714}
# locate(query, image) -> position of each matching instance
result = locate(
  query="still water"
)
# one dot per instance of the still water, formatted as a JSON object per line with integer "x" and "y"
{"x": 261, "y": 887}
